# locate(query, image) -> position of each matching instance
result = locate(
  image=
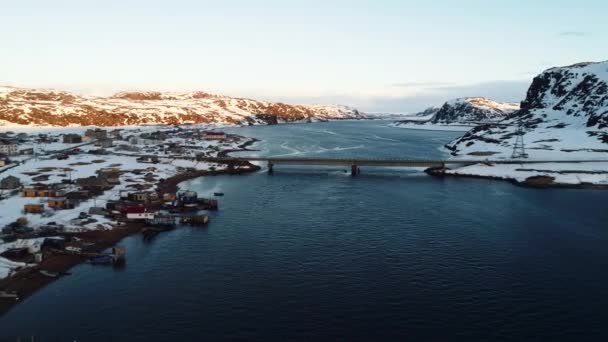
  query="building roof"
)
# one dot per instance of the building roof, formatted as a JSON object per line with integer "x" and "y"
{"x": 9, "y": 178}
{"x": 7, "y": 142}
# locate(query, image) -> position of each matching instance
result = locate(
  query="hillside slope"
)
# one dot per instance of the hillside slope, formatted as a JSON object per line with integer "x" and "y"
{"x": 564, "y": 115}
{"x": 462, "y": 113}
{"x": 19, "y": 106}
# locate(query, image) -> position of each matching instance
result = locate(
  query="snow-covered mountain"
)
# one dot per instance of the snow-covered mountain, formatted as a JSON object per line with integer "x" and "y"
{"x": 565, "y": 113}
{"x": 458, "y": 113}
{"x": 35, "y": 107}
{"x": 473, "y": 109}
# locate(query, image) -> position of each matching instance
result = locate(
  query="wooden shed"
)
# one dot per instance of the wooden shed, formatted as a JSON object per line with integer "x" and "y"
{"x": 33, "y": 208}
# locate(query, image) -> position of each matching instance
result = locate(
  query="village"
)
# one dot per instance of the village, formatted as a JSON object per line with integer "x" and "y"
{"x": 68, "y": 197}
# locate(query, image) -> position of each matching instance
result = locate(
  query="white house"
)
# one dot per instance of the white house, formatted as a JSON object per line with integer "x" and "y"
{"x": 140, "y": 216}
{"x": 8, "y": 147}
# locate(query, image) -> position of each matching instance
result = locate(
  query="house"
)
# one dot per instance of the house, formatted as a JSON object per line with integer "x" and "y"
{"x": 141, "y": 216}
{"x": 10, "y": 182}
{"x": 137, "y": 213}
{"x": 95, "y": 134}
{"x": 188, "y": 197}
{"x": 60, "y": 203}
{"x": 80, "y": 195}
{"x": 158, "y": 136}
{"x": 72, "y": 139}
{"x": 132, "y": 210}
{"x": 175, "y": 149}
{"x": 212, "y": 135}
{"x": 8, "y": 147}
{"x": 169, "y": 197}
{"x": 111, "y": 175}
{"x": 26, "y": 151}
{"x": 41, "y": 192}
{"x": 2, "y": 162}
{"x": 22, "y": 137}
{"x": 94, "y": 184}
{"x": 33, "y": 208}
{"x": 148, "y": 159}
{"x": 138, "y": 196}
{"x": 97, "y": 211}
{"x": 104, "y": 143}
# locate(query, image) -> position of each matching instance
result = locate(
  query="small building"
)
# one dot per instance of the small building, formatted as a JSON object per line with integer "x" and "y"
{"x": 8, "y": 147}
{"x": 41, "y": 192}
{"x": 137, "y": 213}
{"x": 214, "y": 135}
{"x": 79, "y": 195}
{"x": 2, "y": 162}
{"x": 175, "y": 149}
{"x": 148, "y": 159}
{"x": 169, "y": 197}
{"x": 33, "y": 208}
{"x": 132, "y": 210}
{"x": 93, "y": 184}
{"x": 138, "y": 196}
{"x": 109, "y": 175}
{"x": 97, "y": 211}
{"x": 26, "y": 151}
{"x": 72, "y": 139}
{"x": 96, "y": 134}
{"x": 104, "y": 143}
{"x": 60, "y": 203}
{"x": 140, "y": 216}
{"x": 9, "y": 183}
{"x": 22, "y": 137}
{"x": 188, "y": 197}
{"x": 157, "y": 135}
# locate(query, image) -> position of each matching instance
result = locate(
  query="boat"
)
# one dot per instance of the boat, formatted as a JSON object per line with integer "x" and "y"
{"x": 102, "y": 260}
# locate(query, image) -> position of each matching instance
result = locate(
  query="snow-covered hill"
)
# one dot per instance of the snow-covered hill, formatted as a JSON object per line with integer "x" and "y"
{"x": 34, "y": 107}
{"x": 564, "y": 115}
{"x": 461, "y": 113}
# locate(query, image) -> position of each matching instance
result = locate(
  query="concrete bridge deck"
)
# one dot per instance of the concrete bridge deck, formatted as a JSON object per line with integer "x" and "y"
{"x": 356, "y": 163}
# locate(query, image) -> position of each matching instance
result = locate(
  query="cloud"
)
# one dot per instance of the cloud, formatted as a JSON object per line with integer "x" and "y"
{"x": 573, "y": 34}
{"x": 420, "y": 84}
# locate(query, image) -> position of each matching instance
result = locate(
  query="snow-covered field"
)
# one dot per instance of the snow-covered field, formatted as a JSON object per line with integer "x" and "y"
{"x": 564, "y": 173}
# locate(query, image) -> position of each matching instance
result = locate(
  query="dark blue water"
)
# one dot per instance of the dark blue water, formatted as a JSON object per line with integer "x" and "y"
{"x": 312, "y": 254}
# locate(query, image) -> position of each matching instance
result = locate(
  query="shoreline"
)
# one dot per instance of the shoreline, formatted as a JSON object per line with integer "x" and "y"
{"x": 536, "y": 182}
{"x": 29, "y": 280}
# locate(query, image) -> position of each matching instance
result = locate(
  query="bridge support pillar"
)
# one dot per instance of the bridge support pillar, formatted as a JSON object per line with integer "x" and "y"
{"x": 270, "y": 167}
{"x": 443, "y": 168}
{"x": 354, "y": 170}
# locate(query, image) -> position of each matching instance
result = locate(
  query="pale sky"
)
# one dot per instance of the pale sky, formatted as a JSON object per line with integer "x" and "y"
{"x": 382, "y": 55}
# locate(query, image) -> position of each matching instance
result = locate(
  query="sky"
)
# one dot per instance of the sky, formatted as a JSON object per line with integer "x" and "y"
{"x": 376, "y": 55}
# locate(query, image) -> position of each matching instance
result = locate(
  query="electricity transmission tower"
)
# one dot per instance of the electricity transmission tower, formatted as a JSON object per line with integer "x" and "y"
{"x": 519, "y": 149}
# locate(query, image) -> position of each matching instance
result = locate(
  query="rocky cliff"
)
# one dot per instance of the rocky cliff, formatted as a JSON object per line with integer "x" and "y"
{"x": 467, "y": 112}
{"x": 565, "y": 114}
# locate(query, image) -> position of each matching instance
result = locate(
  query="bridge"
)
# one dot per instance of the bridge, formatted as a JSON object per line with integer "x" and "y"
{"x": 355, "y": 164}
